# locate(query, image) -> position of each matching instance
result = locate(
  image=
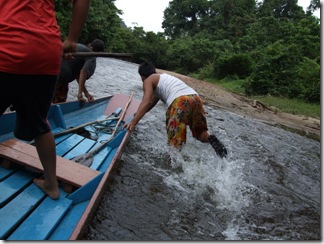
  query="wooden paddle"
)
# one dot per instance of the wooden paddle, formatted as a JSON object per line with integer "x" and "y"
{"x": 87, "y": 158}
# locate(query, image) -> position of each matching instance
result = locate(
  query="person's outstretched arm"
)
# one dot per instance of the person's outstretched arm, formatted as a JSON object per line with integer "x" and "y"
{"x": 79, "y": 16}
{"x": 147, "y": 103}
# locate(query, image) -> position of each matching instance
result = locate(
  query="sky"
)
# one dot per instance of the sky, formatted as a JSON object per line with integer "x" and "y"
{"x": 149, "y": 13}
{"x": 146, "y": 13}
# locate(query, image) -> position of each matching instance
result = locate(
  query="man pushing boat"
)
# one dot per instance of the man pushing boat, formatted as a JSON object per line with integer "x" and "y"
{"x": 185, "y": 107}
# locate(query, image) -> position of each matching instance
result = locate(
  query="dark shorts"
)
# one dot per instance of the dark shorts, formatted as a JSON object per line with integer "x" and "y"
{"x": 30, "y": 96}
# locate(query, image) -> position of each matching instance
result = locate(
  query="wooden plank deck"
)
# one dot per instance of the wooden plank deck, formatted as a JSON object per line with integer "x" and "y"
{"x": 41, "y": 222}
{"x": 22, "y": 153}
{"x": 19, "y": 208}
{"x": 34, "y": 214}
{"x": 28, "y": 203}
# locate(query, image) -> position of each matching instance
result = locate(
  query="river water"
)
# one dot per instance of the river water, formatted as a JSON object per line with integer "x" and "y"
{"x": 268, "y": 187}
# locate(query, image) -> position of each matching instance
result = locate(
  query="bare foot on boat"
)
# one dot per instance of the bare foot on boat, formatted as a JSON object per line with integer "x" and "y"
{"x": 52, "y": 193}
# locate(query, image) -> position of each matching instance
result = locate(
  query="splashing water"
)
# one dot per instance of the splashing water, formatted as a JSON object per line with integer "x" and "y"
{"x": 268, "y": 187}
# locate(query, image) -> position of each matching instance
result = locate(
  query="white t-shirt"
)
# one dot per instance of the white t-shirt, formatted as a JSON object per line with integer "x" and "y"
{"x": 170, "y": 88}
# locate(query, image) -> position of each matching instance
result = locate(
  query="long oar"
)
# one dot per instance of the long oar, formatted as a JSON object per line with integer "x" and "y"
{"x": 87, "y": 158}
{"x": 102, "y": 54}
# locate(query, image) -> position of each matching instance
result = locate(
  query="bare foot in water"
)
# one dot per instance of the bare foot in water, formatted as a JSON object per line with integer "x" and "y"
{"x": 52, "y": 193}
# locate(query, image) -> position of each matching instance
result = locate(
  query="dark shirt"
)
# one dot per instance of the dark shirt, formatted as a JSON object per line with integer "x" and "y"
{"x": 70, "y": 69}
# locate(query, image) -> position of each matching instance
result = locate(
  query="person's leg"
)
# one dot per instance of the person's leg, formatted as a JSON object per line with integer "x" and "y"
{"x": 203, "y": 137}
{"x": 217, "y": 145}
{"x": 45, "y": 146}
{"x": 7, "y": 92}
{"x": 176, "y": 129}
{"x": 32, "y": 105}
{"x": 199, "y": 128}
{"x": 44, "y": 141}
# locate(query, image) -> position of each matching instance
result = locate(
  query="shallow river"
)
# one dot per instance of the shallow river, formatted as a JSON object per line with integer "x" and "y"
{"x": 268, "y": 188}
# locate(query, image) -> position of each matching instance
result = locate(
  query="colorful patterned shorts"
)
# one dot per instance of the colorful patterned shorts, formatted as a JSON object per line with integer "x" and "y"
{"x": 185, "y": 110}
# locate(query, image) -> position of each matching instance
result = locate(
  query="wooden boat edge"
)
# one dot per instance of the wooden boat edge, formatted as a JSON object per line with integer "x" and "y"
{"x": 94, "y": 202}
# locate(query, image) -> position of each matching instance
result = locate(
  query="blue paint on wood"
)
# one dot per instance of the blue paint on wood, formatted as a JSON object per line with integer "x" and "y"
{"x": 117, "y": 111}
{"x": 104, "y": 166}
{"x": 4, "y": 137}
{"x": 117, "y": 139}
{"x": 85, "y": 192}
{"x": 4, "y": 173}
{"x": 69, "y": 222}
{"x": 18, "y": 208}
{"x": 55, "y": 117}
{"x": 67, "y": 145}
{"x": 41, "y": 222}
{"x": 99, "y": 158}
{"x": 57, "y": 129}
{"x": 103, "y": 137}
{"x": 47, "y": 218}
{"x": 81, "y": 148}
{"x": 60, "y": 139}
{"x": 15, "y": 183}
{"x": 8, "y": 123}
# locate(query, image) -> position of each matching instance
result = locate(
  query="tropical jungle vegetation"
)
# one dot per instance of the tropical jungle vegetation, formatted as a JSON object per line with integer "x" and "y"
{"x": 273, "y": 46}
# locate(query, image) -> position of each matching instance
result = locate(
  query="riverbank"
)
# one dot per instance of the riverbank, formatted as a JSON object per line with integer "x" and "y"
{"x": 217, "y": 97}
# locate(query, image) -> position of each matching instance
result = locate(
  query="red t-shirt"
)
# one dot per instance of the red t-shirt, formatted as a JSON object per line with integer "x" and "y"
{"x": 30, "y": 41}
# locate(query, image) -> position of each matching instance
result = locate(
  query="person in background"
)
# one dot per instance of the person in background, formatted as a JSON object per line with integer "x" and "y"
{"x": 30, "y": 58}
{"x": 80, "y": 69}
{"x": 184, "y": 108}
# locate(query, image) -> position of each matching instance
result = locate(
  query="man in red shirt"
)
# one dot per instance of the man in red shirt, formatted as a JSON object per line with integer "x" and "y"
{"x": 30, "y": 58}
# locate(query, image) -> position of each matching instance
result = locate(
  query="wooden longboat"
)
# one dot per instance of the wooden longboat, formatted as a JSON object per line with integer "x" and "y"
{"x": 95, "y": 128}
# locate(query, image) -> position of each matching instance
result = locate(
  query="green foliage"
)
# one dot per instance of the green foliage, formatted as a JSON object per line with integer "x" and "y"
{"x": 205, "y": 72}
{"x": 308, "y": 37}
{"x": 275, "y": 74}
{"x": 233, "y": 85}
{"x": 103, "y": 21}
{"x": 239, "y": 65}
{"x": 190, "y": 54}
{"x": 148, "y": 46}
{"x": 284, "y": 72}
{"x": 272, "y": 42}
{"x": 184, "y": 17}
{"x": 281, "y": 9}
{"x": 293, "y": 106}
{"x": 308, "y": 72}
{"x": 63, "y": 16}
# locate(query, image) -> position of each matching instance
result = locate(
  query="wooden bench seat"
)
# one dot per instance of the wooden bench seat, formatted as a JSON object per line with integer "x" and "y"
{"x": 67, "y": 171}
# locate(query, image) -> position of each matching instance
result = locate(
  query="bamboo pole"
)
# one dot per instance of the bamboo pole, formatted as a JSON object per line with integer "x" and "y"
{"x": 101, "y": 54}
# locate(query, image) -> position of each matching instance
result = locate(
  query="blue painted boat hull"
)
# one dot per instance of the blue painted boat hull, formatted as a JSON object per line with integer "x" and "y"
{"x": 26, "y": 212}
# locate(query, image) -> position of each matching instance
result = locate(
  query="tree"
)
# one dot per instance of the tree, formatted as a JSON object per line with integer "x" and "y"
{"x": 281, "y": 9}
{"x": 313, "y": 6}
{"x": 280, "y": 74}
{"x": 103, "y": 21}
{"x": 183, "y": 17}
